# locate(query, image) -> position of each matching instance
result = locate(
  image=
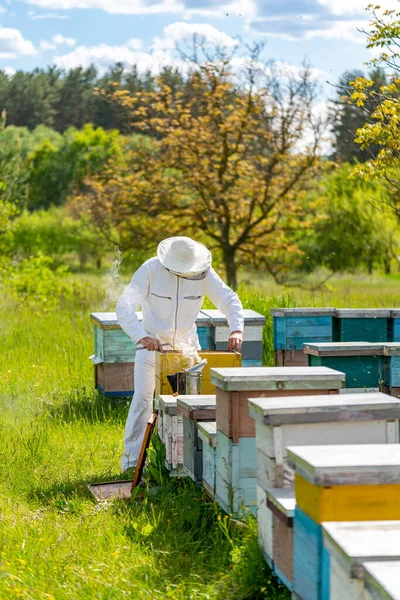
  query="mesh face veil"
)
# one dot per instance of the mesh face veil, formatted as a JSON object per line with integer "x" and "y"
{"x": 191, "y": 277}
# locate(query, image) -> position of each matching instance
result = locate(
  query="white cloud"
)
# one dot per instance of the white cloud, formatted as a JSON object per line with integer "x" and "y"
{"x": 351, "y": 7}
{"x": 10, "y": 71}
{"x": 33, "y": 16}
{"x": 181, "y": 32}
{"x": 46, "y": 46}
{"x": 13, "y": 44}
{"x": 127, "y": 7}
{"x": 60, "y": 40}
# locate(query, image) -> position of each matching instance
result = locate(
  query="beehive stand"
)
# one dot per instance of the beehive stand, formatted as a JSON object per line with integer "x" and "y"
{"x": 122, "y": 490}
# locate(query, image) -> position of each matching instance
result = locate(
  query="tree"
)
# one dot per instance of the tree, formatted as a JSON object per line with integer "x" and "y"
{"x": 348, "y": 118}
{"x": 351, "y": 231}
{"x": 383, "y": 130}
{"x": 229, "y": 161}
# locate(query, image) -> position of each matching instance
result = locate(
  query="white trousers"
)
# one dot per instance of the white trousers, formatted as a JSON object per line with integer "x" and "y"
{"x": 140, "y": 409}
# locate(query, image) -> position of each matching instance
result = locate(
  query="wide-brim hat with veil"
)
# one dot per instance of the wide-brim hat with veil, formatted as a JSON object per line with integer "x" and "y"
{"x": 183, "y": 256}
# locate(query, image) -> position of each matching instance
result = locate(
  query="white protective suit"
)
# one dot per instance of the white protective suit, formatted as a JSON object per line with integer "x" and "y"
{"x": 170, "y": 307}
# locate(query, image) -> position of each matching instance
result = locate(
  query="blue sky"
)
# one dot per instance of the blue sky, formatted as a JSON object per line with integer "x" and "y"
{"x": 36, "y": 33}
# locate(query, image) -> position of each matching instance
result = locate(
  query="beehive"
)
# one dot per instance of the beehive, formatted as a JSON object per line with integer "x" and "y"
{"x": 171, "y": 362}
{"x": 193, "y": 409}
{"x": 114, "y": 380}
{"x": 281, "y": 502}
{"x": 391, "y": 368}
{"x": 356, "y": 482}
{"x": 394, "y": 325}
{"x": 331, "y": 419}
{"x": 207, "y": 432}
{"x": 355, "y": 324}
{"x": 294, "y": 327}
{"x": 350, "y": 544}
{"x": 204, "y": 326}
{"x": 111, "y": 343}
{"x": 252, "y": 347}
{"x": 361, "y": 361}
{"x": 381, "y": 580}
{"x": 171, "y": 433}
{"x": 236, "y": 470}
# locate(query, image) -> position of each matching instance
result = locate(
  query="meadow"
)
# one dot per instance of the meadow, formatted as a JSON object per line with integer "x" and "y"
{"x": 57, "y": 434}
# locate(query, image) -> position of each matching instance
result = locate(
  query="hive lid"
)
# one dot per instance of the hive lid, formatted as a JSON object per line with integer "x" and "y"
{"x": 168, "y": 404}
{"x": 324, "y": 408}
{"x": 203, "y": 319}
{"x": 391, "y": 349}
{"x": 359, "y": 464}
{"x": 345, "y": 349}
{"x": 302, "y": 312}
{"x": 216, "y": 316}
{"x": 382, "y": 579}
{"x": 363, "y": 541}
{"x": 208, "y": 430}
{"x": 276, "y": 378}
{"x": 108, "y": 320}
{"x": 363, "y": 313}
{"x": 251, "y": 317}
{"x": 395, "y": 312}
{"x": 284, "y": 499}
{"x": 197, "y": 402}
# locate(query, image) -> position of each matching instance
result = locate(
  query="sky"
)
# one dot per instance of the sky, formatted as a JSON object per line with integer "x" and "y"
{"x": 69, "y": 33}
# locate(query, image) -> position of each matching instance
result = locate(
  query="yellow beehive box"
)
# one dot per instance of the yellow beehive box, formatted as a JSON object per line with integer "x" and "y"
{"x": 172, "y": 361}
{"x": 348, "y": 483}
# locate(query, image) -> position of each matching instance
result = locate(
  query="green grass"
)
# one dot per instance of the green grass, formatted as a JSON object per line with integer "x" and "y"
{"x": 57, "y": 434}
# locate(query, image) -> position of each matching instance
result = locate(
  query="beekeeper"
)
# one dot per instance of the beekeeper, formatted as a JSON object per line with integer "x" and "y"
{"x": 170, "y": 289}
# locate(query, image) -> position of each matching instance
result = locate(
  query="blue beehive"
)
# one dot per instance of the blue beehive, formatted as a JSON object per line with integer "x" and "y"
{"x": 391, "y": 366}
{"x": 294, "y": 327}
{"x": 355, "y": 324}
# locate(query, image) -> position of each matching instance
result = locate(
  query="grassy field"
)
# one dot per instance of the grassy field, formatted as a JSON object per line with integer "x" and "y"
{"x": 57, "y": 434}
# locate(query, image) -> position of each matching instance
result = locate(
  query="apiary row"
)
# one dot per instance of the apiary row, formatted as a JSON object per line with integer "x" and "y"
{"x": 115, "y": 352}
{"x": 328, "y": 513}
{"x": 295, "y": 327}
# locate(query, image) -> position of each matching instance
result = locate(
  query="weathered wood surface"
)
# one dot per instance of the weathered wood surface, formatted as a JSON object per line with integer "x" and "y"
{"x": 348, "y": 502}
{"x": 232, "y": 414}
{"x": 362, "y": 313}
{"x": 265, "y": 526}
{"x": 290, "y": 333}
{"x": 361, "y": 327}
{"x": 192, "y": 451}
{"x": 382, "y": 580}
{"x": 307, "y": 557}
{"x": 276, "y": 378}
{"x": 283, "y": 499}
{"x": 198, "y": 407}
{"x": 116, "y": 379}
{"x": 108, "y": 320}
{"x": 283, "y": 549}
{"x": 391, "y": 349}
{"x": 168, "y": 404}
{"x": 361, "y": 371}
{"x": 302, "y": 312}
{"x": 172, "y": 436}
{"x": 373, "y": 464}
{"x": 290, "y": 358}
{"x": 208, "y": 432}
{"x": 324, "y": 408}
{"x": 351, "y": 544}
{"x": 345, "y": 349}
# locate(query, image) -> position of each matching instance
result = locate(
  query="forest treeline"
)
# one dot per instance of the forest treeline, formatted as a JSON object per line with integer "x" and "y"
{"x": 61, "y": 99}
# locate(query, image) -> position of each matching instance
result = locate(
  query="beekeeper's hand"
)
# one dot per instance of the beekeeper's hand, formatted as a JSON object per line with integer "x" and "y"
{"x": 151, "y": 344}
{"x": 235, "y": 341}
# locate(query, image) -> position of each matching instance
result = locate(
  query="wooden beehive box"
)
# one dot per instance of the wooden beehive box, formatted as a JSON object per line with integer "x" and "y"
{"x": 282, "y": 503}
{"x": 207, "y": 432}
{"x": 381, "y": 580}
{"x": 235, "y": 386}
{"x": 354, "y": 324}
{"x": 361, "y": 361}
{"x": 172, "y": 361}
{"x": 391, "y": 368}
{"x": 356, "y": 482}
{"x": 111, "y": 343}
{"x": 394, "y": 325}
{"x": 193, "y": 409}
{"x": 171, "y": 433}
{"x": 350, "y": 544}
{"x": 115, "y": 380}
{"x": 204, "y": 331}
{"x": 252, "y": 347}
{"x": 294, "y": 327}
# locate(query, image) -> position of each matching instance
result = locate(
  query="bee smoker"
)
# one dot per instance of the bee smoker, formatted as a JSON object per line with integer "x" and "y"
{"x": 187, "y": 382}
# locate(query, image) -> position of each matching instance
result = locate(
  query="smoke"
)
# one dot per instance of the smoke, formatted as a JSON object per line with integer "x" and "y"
{"x": 112, "y": 281}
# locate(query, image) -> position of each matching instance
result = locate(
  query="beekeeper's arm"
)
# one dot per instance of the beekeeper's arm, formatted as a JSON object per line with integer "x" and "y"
{"x": 129, "y": 302}
{"x": 227, "y": 301}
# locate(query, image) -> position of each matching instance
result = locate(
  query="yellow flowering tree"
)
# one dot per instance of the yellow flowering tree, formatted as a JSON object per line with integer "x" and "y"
{"x": 383, "y": 129}
{"x": 230, "y": 159}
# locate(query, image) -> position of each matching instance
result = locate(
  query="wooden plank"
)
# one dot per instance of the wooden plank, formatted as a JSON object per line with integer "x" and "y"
{"x": 348, "y": 502}
{"x": 208, "y": 432}
{"x": 382, "y": 580}
{"x": 283, "y": 499}
{"x": 323, "y": 408}
{"x": 283, "y": 548}
{"x": 302, "y": 312}
{"x": 348, "y": 465}
{"x": 265, "y": 526}
{"x": 276, "y": 378}
{"x": 344, "y": 349}
{"x": 116, "y": 377}
{"x": 168, "y": 404}
{"x": 363, "y": 313}
{"x": 307, "y": 553}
